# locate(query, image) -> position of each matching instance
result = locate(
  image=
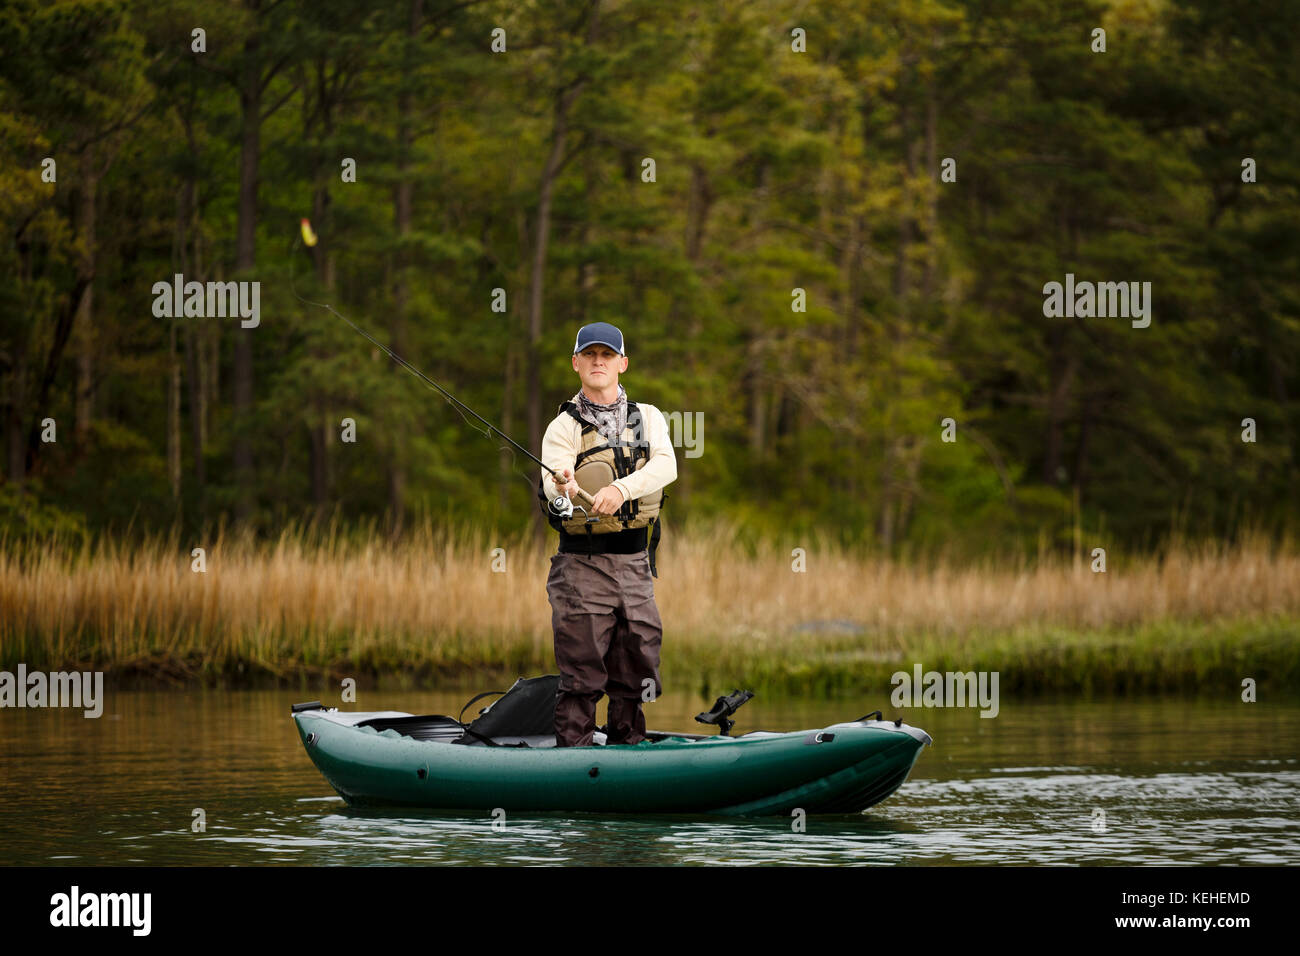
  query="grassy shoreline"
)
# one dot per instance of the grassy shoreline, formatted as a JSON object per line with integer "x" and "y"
{"x": 1174, "y": 658}
{"x": 432, "y": 611}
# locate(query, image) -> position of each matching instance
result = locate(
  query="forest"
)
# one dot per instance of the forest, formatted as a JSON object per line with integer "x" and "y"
{"x": 827, "y": 230}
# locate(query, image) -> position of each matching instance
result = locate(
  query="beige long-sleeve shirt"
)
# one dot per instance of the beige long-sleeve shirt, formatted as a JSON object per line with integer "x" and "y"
{"x": 564, "y": 437}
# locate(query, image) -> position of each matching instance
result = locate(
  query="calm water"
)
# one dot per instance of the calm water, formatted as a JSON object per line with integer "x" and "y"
{"x": 1115, "y": 782}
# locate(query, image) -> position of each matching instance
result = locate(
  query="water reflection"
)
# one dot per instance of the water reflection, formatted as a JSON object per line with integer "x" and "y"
{"x": 1163, "y": 781}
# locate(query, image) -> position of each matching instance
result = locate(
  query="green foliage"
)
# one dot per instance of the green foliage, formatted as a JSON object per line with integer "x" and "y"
{"x": 775, "y": 171}
{"x": 25, "y": 515}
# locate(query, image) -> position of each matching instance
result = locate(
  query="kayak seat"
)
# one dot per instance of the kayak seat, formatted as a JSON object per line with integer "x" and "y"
{"x": 524, "y": 716}
{"x": 526, "y": 711}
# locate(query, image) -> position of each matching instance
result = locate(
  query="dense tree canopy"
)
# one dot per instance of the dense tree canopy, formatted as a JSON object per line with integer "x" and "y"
{"x": 825, "y": 229}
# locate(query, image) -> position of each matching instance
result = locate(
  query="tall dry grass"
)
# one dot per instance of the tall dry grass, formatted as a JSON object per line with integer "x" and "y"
{"x": 761, "y": 597}
{"x": 432, "y": 604}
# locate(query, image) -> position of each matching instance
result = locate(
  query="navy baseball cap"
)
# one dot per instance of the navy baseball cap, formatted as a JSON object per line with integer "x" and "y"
{"x": 599, "y": 333}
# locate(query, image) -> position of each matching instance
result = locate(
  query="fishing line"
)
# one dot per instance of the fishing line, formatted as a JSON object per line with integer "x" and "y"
{"x": 455, "y": 403}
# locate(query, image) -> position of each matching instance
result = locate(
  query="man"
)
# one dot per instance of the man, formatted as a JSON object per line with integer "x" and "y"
{"x": 607, "y": 627}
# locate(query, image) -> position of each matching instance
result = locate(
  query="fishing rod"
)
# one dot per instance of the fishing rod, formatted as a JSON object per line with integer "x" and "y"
{"x": 561, "y": 504}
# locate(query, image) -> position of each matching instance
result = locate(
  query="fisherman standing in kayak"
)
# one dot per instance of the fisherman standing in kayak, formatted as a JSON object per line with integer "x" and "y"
{"x": 603, "y": 612}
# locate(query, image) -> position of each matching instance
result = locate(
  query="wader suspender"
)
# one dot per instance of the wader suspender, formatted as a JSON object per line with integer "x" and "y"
{"x": 653, "y": 535}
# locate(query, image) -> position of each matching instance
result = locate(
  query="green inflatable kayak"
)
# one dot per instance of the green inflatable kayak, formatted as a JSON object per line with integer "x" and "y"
{"x": 507, "y": 758}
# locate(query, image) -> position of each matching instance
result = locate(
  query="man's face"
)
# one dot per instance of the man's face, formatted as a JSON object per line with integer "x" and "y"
{"x": 599, "y": 366}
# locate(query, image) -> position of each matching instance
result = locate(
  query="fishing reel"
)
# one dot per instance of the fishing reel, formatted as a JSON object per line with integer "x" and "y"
{"x": 563, "y": 507}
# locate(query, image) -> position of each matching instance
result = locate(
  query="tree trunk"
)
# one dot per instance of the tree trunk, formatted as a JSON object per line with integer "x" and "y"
{"x": 14, "y": 438}
{"x": 1081, "y": 450}
{"x": 250, "y": 100}
{"x": 62, "y": 333}
{"x": 932, "y": 197}
{"x": 507, "y": 423}
{"x": 757, "y": 398}
{"x": 1062, "y": 362}
{"x": 316, "y": 431}
{"x": 907, "y": 494}
{"x": 893, "y": 459}
{"x": 173, "y": 414}
{"x": 699, "y": 201}
{"x": 403, "y": 194}
{"x": 318, "y": 423}
{"x": 180, "y": 260}
{"x": 508, "y": 400}
{"x": 198, "y": 411}
{"x": 84, "y": 326}
{"x": 849, "y": 282}
{"x": 586, "y": 271}
{"x": 699, "y": 205}
{"x": 187, "y": 236}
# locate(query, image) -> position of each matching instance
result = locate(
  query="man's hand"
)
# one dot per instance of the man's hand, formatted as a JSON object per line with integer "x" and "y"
{"x": 566, "y": 485}
{"x": 608, "y": 500}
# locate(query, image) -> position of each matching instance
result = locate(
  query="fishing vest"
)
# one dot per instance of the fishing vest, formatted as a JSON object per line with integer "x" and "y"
{"x": 600, "y": 463}
{"x": 636, "y": 525}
